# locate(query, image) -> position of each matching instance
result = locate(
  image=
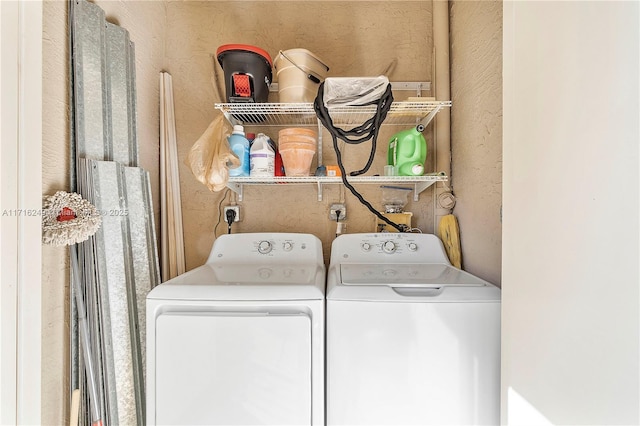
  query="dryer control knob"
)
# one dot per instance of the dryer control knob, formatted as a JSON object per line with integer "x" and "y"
{"x": 366, "y": 246}
{"x": 264, "y": 247}
{"x": 389, "y": 247}
{"x": 413, "y": 246}
{"x": 287, "y": 246}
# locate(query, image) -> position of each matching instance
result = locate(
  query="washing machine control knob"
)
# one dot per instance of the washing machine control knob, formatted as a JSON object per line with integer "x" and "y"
{"x": 264, "y": 247}
{"x": 413, "y": 246}
{"x": 287, "y": 246}
{"x": 366, "y": 246}
{"x": 389, "y": 247}
{"x": 265, "y": 273}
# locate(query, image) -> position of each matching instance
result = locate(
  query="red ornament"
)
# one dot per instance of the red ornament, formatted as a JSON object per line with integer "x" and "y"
{"x": 66, "y": 214}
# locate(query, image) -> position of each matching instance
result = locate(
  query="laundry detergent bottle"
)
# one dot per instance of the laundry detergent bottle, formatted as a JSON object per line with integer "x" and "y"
{"x": 239, "y": 144}
{"x": 408, "y": 152}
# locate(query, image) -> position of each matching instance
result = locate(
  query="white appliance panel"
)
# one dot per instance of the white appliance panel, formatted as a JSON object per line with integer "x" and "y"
{"x": 233, "y": 369}
{"x": 407, "y": 274}
{"x": 257, "y": 248}
{"x": 395, "y": 247}
{"x": 413, "y": 363}
{"x": 245, "y": 282}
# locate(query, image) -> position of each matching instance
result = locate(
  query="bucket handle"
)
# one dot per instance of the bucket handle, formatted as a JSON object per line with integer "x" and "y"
{"x": 310, "y": 76}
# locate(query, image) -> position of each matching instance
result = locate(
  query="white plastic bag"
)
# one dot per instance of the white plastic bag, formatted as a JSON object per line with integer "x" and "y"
{"x": 210, "y": 156}
{"x": 353, "y": 91}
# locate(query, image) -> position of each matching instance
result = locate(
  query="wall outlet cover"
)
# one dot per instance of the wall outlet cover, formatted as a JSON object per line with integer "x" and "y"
{"x": 333, "y": 211}
{"x": 236, "y": 209}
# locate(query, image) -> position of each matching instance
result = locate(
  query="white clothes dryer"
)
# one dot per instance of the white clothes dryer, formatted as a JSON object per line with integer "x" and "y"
{"x": 411, "y": 340}
{"x": 240, "y": 339}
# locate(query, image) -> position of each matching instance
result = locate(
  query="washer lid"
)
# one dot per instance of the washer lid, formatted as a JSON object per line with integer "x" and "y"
{"x": 407, "y": 282}
{"x": 245, "y": 282}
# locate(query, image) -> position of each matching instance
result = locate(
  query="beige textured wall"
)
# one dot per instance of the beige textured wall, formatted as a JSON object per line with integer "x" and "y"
{"x": 55, "y": 176}
{"x": 476, "y": 132}
{"x": 145, "y": 22}
{"x": 354, "y": 38}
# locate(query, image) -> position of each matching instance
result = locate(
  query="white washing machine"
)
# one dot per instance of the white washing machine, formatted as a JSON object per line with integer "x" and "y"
{"x": 411, "y": 340}
{"x": 240, "y": 340}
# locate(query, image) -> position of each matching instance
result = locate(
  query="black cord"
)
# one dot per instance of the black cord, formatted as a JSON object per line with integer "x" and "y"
{"x": 231, "y": 216}
{"x": 367, "y": 130}
{"x": 359, "y": 134}
{"x": 215, "y": 229}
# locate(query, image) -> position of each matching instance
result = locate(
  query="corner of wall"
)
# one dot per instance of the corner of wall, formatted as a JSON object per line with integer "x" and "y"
{"x": 476, "y": 133}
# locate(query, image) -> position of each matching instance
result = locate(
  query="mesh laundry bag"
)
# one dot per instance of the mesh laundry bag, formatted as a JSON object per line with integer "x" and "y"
{"x": 210, "y": 157}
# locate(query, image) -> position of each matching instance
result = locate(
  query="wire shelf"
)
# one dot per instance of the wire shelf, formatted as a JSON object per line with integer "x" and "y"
{"x": 303, "y": 114}
{"x": 420, "y": 183}
{"x": 251, "y": 180}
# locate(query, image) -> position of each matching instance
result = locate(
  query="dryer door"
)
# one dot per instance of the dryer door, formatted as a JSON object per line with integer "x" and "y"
{"x": 233, "y": 368}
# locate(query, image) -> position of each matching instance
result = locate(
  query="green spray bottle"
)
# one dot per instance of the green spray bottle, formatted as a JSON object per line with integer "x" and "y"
{"x": 408, "y": 152}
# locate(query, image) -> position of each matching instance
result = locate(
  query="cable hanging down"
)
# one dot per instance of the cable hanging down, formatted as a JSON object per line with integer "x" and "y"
{"x": 359, "y": 134}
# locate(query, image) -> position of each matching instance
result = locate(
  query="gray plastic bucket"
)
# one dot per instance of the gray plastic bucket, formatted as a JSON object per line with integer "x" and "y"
{"x": 299, "y": 72}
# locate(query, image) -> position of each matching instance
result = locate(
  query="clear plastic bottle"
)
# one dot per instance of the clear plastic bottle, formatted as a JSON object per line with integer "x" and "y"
{"x": 239, "y": 144}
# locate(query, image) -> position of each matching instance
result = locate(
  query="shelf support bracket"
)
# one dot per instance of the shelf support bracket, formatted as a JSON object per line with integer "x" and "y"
{"x": 320, "y": 163}
{"x": 238, "y": 188}
{"x": 418, "y": 187}
{"x": 319, "y": 191}
{"x": 425, "y": 121}
{"x": 230, "y": 118}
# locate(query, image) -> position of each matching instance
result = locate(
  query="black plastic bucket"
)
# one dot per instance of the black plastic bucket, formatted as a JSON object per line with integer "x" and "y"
{"x": 247, "y": 72}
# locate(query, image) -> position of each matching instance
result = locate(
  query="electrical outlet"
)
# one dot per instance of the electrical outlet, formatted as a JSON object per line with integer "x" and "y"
{"x": 333, "y": 212}
{"x": 234, "y": 208}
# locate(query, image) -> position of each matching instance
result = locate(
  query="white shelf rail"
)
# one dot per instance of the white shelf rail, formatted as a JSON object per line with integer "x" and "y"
{"x": 420, "y": 183}
{"x": 303, "y": 114}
